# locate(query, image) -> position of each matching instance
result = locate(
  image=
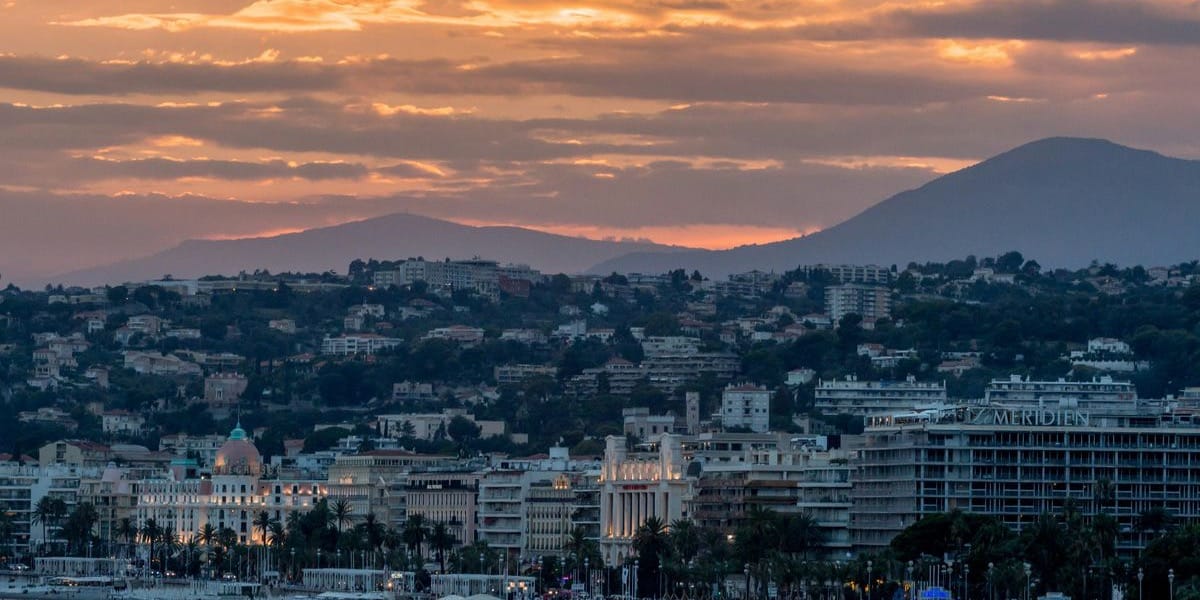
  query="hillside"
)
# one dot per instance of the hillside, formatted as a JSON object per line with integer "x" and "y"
{"x": 1062, "y": 201}
{"x": 388, "y": 237}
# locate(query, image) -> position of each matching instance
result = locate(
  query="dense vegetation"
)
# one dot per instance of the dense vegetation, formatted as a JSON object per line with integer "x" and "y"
{"x": 1025, "y": 327}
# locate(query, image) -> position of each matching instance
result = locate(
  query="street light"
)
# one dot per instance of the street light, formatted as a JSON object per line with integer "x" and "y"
{"x": 992, "y": 581}
{"x": 950, "y": 575}
{"x": 912, "y": 584}
{"x": 1171, "y": 581}
{"x": 966, "y": 581}
{"x": 746, "y": 572}
{"x": 870, "y": 581}
{"x": 1028, "y": 581}
{"x": 1141, "y": 576}
{"x": 587, "y": 576}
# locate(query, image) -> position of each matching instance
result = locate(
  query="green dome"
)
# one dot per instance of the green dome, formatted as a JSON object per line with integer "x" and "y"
{"x": 238, "y": 433}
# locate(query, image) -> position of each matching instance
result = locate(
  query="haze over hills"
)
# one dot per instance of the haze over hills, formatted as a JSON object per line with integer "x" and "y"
{"x": 1061, "y": 201}
{"x": 393, "y": 236}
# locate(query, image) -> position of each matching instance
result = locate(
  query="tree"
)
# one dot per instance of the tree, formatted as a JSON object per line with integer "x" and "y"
{"x": 262, "y": 523}
{"x": 48, "y": 511}
{"x": 1009, "y": 262}
{"x": 151, "y": 534}
{"x": 441, "y": 540}
{"x": 341, "y": 513}
{"x": 651, "y": 542}
{"x": 415, "y": 533}
{"x": 77, "y": 530}
{"x": 127, "y": 531}
{"x": 117, "y": 295}
{"x": 463, "y": 430}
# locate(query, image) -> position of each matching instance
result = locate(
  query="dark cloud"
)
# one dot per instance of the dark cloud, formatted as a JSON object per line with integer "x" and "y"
{"x": 714, "y": 76}
{"x": 234, "y": 170}
{"x": 1104, "y": 21}
{"x": 77, "y": 76}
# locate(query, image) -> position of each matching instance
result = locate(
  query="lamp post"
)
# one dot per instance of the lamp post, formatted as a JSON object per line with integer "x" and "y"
{"x": 991, "y": 581}
{"x": 293, "y": 567}
{"x": 911, "y": 584}
{"x": 318, "y": 558}
{"x": 1141, "y": 576}
{"x": 1028, "y": 581}
{"x": 587, "y": 576}
{"x": 870, "y": 567}
{"x": 950, "y": 575}
{"x": 746, "y": 572}
{"x": 1171, "y": 582}
{"x": 966, "y": 581}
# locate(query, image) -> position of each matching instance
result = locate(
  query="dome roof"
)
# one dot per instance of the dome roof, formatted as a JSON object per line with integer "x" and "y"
{"x": 238, "y": 456}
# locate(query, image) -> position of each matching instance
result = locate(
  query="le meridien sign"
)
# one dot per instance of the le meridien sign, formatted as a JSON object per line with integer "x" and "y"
{"x": 1032, "y": 417}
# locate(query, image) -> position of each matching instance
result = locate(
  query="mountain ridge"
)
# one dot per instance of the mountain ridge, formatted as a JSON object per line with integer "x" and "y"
{"x": 1064, "y": 201}
{"x": 393, "y": 236}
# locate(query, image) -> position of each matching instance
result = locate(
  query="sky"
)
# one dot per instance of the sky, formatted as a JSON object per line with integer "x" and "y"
{"x": 128, "y": 126}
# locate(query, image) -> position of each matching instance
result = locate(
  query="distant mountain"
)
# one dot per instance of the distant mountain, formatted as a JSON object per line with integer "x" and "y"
{"x": 395, "y": 236}
{"x": 1061, "y": 201}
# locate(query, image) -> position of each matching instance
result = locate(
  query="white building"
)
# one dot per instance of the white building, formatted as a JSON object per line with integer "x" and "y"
{"x": 851, "y": 396}
{"x": 871, "y": 302}
{"x": 234, "y": 495}
{"x": 635, "y": 487}
{"x": 1100, "y": 391}
{"x": 746, "y": 406}
{"x": 364, "y": 343}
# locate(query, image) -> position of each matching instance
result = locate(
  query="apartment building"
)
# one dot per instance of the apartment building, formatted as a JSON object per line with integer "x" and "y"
{"x": 859, "y": 397}
{"x": 871, "y": 302}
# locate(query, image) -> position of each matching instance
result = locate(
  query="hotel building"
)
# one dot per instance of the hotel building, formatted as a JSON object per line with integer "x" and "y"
{"x": 1018, "y": 460}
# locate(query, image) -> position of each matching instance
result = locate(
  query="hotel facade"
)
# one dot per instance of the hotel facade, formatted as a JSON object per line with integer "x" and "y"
{"x": 1017, "y": 461}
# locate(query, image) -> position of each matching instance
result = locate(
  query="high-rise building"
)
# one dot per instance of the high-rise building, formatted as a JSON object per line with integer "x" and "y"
{"x": 1018, "y": 460}
{"x": 871, "y": 302}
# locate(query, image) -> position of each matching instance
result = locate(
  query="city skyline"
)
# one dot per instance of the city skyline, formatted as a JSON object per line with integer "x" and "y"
{"x": 700, "y": 123}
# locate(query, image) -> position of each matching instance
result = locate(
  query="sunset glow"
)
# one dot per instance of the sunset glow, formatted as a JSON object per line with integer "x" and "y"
{"x": 694, "y": 122}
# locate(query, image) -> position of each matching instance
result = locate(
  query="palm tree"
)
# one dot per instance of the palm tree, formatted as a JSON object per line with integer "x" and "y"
{"x": 151, "y": 533}
{"x": 126, "y": 530}
{"x": 685, "y": 539}
{"x": 47, "y": 512}
{"x": 340, "y": 514}
{"x": 168, "y": 545}
{"x": 651, "y": 544}
{"x": 208, "y": 534}
{"x": 77, "y": 529}
{"x": 373, "y": 532}
{"x": 799, "y": 534}
{"x": 441, "y": 540}
{"x": 262, "y": 522}
{"x": 415, "y": 533}
{"x": 191, "y": 551}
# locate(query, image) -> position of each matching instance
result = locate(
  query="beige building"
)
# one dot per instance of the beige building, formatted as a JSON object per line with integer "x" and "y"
{"x": 548, "y": 507}
{"x": 232, "y": 497}
{"x": 375, "y": 481}
{"x": 223, "y": 391}
{"x": 637, "y": 486}
{"x": 448, "y": 497}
